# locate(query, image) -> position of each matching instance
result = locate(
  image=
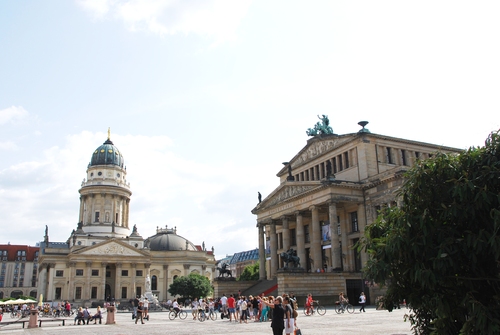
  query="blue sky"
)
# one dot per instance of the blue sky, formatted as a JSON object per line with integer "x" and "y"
{"x": 205, "y": 99}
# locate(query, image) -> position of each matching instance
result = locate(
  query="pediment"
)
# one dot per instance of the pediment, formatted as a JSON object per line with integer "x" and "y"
{"x": 284, "y": 193}
{"x": 112, "y": 248}
{"x": 319, "y": 147}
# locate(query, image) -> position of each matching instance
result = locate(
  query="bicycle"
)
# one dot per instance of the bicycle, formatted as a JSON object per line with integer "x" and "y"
{"x": 340, "y": 307}
{"x": 181, "y": 314}
{"x": 212, "y": 315}
{"x": 202, "y": 315}
{"x": 314, "y": 308}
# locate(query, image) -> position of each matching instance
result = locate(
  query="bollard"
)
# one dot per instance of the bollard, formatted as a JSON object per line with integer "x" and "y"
{"x": 33, "y": 323}
{"x": 110, "y": 315}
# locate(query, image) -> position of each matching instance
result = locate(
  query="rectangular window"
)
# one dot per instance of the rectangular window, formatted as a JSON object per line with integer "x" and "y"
{"x": 138, "y": 273}
{"x": 341, "y": 167}
{"x": 339, "y": 232}
{"x": 93, "y": 294}
{"x": 139, "y": 290}
{"x": 403, "y": 157}
{"x": 78, "y": 292}
{"x": 58, "y": 293}
{"x": 96, "y": 217}
{"x": 79, "y": 272}
{"x": 280, "y": 240}
{"x": 108, "y": 274}
{"x": 59, "y": 273}
{"x": 334, "y": 164}
{"x": 124, "y": 273}
{"x": 417, "y": 154}
{"x": 124, "y": 293}
{"x": 388, "y": 155}
{"x": 293, "y": 237}
{"x": 346, "y": 159}
{"x": 354, "y": 221}
{"x": 306, "y": 234}
{"x": 95, "y": 273}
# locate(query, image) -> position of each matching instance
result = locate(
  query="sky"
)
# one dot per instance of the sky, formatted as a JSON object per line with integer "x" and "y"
{"x": 206, "y": 99}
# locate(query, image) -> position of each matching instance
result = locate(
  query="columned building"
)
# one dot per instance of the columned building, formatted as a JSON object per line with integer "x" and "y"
{"x": 329, "y": 192}
{"x": 104, "y": 257}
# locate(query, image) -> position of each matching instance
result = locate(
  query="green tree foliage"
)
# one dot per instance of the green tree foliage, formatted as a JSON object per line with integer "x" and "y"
{"x": 440, "y": 251}
{"x": 191, "y": 286}
{"x": 250, "y": 272}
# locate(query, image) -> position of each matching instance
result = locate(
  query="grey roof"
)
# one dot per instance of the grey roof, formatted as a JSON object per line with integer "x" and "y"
{"x": 107, "y": 154}
{"x": 244, "y": 256}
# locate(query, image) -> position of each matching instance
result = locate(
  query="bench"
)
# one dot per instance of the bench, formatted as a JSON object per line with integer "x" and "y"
{"x": 49, "y": 320}
{"x": 6, "y": 323}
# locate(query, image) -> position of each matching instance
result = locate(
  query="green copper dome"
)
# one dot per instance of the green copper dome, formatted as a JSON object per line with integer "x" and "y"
{"x": 107, "y": 154}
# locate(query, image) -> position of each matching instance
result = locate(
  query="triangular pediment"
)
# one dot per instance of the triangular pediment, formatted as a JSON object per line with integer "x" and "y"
{"x": 112, "y": 248}
{"x": 284, "y": 193}
{"x": 319, "y": 146}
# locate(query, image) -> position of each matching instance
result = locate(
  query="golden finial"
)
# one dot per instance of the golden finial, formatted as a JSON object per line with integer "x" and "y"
{"x": 109, "y": 133}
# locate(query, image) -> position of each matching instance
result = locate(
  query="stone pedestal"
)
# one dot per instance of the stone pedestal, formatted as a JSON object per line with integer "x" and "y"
{"x": 110, "y": 315}
{"x": 33, "y": 323}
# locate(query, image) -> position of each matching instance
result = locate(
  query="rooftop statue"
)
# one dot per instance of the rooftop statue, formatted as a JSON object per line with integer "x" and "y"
{"x": 320, "y": 128}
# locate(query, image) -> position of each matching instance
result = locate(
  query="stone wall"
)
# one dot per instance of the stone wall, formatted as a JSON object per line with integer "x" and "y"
{"x": 228, "y": 287}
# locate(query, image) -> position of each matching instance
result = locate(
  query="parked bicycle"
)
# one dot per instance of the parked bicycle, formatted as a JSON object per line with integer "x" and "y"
{"x": 341, "y": 307}
{"x": 314, "y": 308}
{"x": 173, "y": 314}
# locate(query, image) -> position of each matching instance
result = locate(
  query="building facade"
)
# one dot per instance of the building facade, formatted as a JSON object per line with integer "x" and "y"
{"x": 19, "y": 270}
{"x": 104, "y": 257}
{"x": 328, "y": 193}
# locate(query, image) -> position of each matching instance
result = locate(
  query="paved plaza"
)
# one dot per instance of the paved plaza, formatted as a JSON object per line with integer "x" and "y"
{"x": 370, "y": 323}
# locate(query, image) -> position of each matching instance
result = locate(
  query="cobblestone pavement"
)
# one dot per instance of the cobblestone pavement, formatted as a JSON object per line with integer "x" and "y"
{"x": 373, "y": 322}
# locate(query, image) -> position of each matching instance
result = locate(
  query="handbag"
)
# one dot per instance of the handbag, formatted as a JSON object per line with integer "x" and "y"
{"x": 295, "y": 314}
{"x": 297, "y": 331}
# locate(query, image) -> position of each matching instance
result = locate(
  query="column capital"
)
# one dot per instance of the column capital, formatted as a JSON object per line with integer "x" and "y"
{"x": 186, "y": 266}
{"x": 88, "y": 264}
{"x": 165, "y": 266}
{"x": 313, "y": 207}
{"x": 52, "y": 265}
{"x": 134, "y": 265}
{"x": 104, "y": 264}
{"x": 119, "y": 264}
{"x": 71, "y": 264}
{"x": 203, "y": 267}
{"x": 147, "y": 265}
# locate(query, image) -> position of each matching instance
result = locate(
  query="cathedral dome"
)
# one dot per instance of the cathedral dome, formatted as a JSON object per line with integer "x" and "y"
{"x": 107, "y": 154}
{"x": 168, "y": 240}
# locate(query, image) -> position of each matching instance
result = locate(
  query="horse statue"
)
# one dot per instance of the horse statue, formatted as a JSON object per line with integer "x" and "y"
{"x": 289, "y": 257}
{"x": 320, "y": 128}
{"x": 224, "y": 271}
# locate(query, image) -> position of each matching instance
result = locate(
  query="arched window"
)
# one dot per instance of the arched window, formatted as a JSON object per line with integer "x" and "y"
{"x": 154, "y": 283}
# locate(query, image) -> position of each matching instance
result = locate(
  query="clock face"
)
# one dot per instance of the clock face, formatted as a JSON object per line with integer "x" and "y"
{"x": 118, "y": 175}
{"x": 99, "y": 173}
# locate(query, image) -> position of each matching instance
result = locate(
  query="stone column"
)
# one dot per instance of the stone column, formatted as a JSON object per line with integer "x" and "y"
{"x": 82, "y": 200}
{"x": 50, "y": 281}
{"x": 334, "y": 236}
{"x": 286, "y": 233}
{"x": 347, "y": 265}
{"x": 86, "y": 289}
{"x": 274, "y": 249}
{"x": 165, "y": 281}
{"x": 103, "y": 279}
{"x": 316, "y": 238}
{"x": 118, "y": 281}
{"x": 42, "y": 278}
{"x": 134, "y": 288}
{"x": 361, "y": 226}
{"x": 71, "y": 286}
{"x": 301, "y": 245}
{"x": 262, "y": 252}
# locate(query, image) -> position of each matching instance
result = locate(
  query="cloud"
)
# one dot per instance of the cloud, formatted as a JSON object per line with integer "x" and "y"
{"x": 12, "y": 114}
{"x": 217, "y": 19}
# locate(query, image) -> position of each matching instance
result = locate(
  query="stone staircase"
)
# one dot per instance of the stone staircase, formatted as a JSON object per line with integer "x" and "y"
{"x": 268, "y": 287}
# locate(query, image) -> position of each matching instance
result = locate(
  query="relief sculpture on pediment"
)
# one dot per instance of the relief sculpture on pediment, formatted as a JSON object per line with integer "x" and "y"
{"x": 318, "y": 148}
{"x": 288, "y": 192}
{"x": 112, "y": 249}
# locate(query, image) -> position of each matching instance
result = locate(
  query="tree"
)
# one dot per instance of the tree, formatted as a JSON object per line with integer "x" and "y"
{"x": 250, "y": 272}
{"x": 440, "y": 251}
{"x": 191, "y": 286}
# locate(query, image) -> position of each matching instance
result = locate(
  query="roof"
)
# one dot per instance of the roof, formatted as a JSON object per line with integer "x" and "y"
{"x": 12, "y": 250}
{"x": 245, "y": 256}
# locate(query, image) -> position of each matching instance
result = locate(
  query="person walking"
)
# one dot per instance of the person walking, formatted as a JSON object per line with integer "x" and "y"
{"x": 290, "y": 323}
{"x": 140, "y": 310}
{"x": 231, "y": 306}
{"x": 362, "y": 302}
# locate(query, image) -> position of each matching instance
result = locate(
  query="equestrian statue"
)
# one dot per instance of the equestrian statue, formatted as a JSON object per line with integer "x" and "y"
{"x": 289, "y": 257}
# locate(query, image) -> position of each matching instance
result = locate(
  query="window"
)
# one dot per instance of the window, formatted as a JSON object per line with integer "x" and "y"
{"x": 58, "y": 293}
{"x": 95, "y": 273}
{"x": 138, "y": 273}
{"x": 417, "y": 154}
{"x": 334, "y": 164}
{"x": 354, "y": 221}
{"x": 78, "y": 292}
{"x": 154, "y": 283}
{"x": 59, "y": 273}
{"x": 306, "y": 234}
{"x": 280, "y": 240}
{"x": 346, "y": 159}
{"x": 96, "y": 217}
{"x": 93, "y": 294}
{"x": 340, "y": 163}
{"x": 124, "y": 273}
{"x": 403, "y": 157}
{"x": 293, "y": 237}
{"x": 139, "y": 290}
{"x": 124, "y": 293}
{"x": 388, "y": 155}
{"x": 79, "y": 272}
